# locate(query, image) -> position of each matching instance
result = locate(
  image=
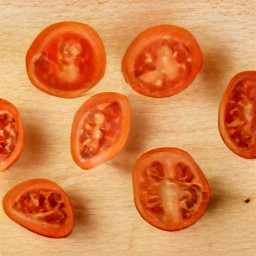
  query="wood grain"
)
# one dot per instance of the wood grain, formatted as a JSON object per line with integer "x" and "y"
{"x": 106, "y": 221}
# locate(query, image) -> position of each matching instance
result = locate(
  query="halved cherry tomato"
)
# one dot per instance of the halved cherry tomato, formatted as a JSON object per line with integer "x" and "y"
{"x": 162, "y": 61}
{"x": 237, "y": 114}
{"x": 11, "y": 135}
{"x": 170, "y": 190}
{"x": 100, "y": 129}
{"x": 41, "y": 206}
{"x": 66, "y": 59}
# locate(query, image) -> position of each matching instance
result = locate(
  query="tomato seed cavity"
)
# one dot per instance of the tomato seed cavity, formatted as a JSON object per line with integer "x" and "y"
{"x": 156, "y": 183}
{"x": 163, "y": 66}
{"x": 240, "y": 118}
{"x": 183, "y": 173}
{"x": 99, "y": 129}
{"x": 45, "y": 205}
{"x": 8, "y": 134}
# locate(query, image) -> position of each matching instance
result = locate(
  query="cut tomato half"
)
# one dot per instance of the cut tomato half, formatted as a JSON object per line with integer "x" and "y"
{"x": 11, "y": 135}
{"x": 100, "y": 129}
{"x": 237, "y": 114}
{"x": 66, "y": 59}
{"x": 162, "y": 61}
{"x": 170, "y": 190}
{"x": 41, "y": 206}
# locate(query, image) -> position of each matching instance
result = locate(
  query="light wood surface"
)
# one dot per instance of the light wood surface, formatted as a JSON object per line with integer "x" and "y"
{"x": 106, "y": 221}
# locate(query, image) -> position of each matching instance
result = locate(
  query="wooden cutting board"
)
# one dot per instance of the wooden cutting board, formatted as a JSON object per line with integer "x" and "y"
{"x": 106, "y": 221}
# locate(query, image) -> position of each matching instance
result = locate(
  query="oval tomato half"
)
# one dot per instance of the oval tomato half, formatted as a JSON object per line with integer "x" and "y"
{"x": 170, "y": 190}
{"x": 237, "y": 114}
{"x": 11, "y": 135}
{"x": 66, "y": 59}
{"x": 162, "y": 61}
{"x": 100, "y": 129}
{"x": 41, "y": 206}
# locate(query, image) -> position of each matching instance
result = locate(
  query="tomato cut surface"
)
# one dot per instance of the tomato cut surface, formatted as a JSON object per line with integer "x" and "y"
{"x": 100, "y": 129}
{"x": 162, "y": 61}
{"x": 170, "y": 190}
{"x": 66, "y": 59}
{"x": 41, "y": 206}
{"x": 237, "y": 114}
{"x": 11, "y": 134}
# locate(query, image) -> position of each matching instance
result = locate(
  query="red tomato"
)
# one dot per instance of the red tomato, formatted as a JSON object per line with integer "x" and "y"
{"x": 162, "y": 61}
{"x": 41, "y": 206}
{"x": 66, "y": 59}
{"x": 11, "y": 135}
{"x": 100, "y": 129}
{"x": 170, "y": 190}
{"x": 237, "y": 114}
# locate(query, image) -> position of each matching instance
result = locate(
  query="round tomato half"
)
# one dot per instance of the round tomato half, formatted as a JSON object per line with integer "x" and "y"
{"x": 66, "y": 59}
{"x": 11, "y": 135}
{"x": 100, "y": 129}
{"x": 41, "y": 206}
{"x": 170, "y": 190}
{"x": 237, "y": 114}
{"x": 162, "y": 61}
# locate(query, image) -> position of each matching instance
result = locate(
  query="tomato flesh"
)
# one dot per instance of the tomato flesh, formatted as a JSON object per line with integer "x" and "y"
{"x": 8, "y": 134}
{"x": 162, "y": 61}
{"x": 170, "y": 190}
{"x": 172, "y": 194}
{"x": 241, "y": 115}
{"x": 42, "y": 205}
{"x": 66, "y": 63}
{"x": 100, "y": 129}
{"x": 237, "y": 117}
{"x": 164, "y": 67}
{"x": 11, "y": 135}
{"x": 66, "y": 59}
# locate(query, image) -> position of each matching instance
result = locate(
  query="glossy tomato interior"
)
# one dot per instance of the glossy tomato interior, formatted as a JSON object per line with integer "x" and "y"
{"x": 11, "y": 134}
{"x": 170, "y": 190}
{"x": 66, "y": 62}
{"x": 162, "y": 61}
{"x": 40, "y": 206}
{"x": 237, "y": 117}
{"x": 100, "y": 129}
{"x": 66, "y": 59}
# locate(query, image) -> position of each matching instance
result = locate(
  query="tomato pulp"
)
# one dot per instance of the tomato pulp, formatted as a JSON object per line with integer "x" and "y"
{"x": 66, "y": 59}
{"x": 41, "y": 206}
{"x": 237, "y": 114}
{"x": 170, "y": 190}
{"x": 11, "y": 134}
{"x": 100, "y": 129}
{"x": 162, "y": 61}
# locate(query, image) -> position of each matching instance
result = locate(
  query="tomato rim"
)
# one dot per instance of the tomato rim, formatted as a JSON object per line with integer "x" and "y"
{"x": 45, "y": 36}
{"x": 151, "y": 34}
{"x": 14, "y": 193}
{"x": 113, "y": 150}
{"x": 221, "y": 115}
{"x": 135, "y": 174}
{"x": 19, "y": 146}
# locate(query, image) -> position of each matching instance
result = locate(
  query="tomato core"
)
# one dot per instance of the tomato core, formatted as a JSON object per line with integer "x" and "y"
{"x": 66, "y": 63}
{"x": 161, "y": 64}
